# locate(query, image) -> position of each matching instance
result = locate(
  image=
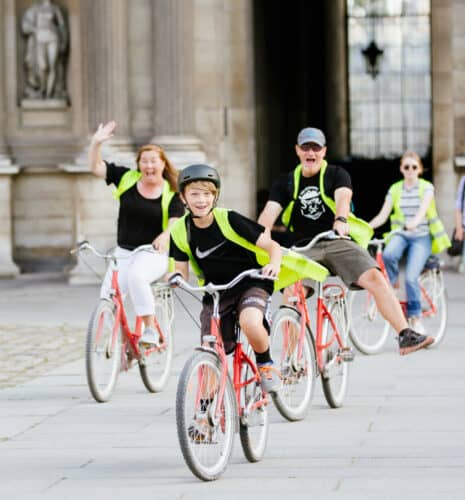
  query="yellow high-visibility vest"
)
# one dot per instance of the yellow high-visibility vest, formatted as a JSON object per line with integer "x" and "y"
{"x": 131, "y": 177}
{"x": 359, "y": 229}
{"x": 439, "y": 239}
{"x": 294, "y": 266}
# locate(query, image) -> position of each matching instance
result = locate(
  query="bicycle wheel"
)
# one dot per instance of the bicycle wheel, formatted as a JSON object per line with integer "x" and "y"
{"x": 298, "y": 373}
{"x": 434, "y": 293}
{"x": 335, "y": 369}
{"x": 254, "y": 424}
{"x": 368, "y": 329}
{"x": 206, "y": 438}
{"x": 103, "y": 351}
{"x": 155, "y": 365}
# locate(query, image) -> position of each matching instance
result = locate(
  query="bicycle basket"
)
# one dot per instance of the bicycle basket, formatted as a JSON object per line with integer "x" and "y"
{"x": 163, "y": 295}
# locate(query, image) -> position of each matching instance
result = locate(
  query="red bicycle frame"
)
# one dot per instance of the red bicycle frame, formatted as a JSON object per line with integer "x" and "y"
{"x": 239, "y": 359}
{"x": 322, "y": 313}
{"x": 121, "y": 319}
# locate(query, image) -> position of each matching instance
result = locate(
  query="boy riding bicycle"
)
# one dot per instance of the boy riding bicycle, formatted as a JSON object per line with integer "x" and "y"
{"x": 220, "y": 244}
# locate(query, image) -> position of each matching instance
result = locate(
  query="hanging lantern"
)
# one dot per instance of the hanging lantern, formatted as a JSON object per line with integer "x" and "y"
{"x": 372, "y": 54}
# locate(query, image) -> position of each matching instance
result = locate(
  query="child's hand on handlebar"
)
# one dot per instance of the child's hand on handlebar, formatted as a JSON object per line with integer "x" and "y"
{"x": 173, "y": 279}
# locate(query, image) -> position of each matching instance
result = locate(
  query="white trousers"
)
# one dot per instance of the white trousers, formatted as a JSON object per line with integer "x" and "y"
{"x": 135, "y": 274}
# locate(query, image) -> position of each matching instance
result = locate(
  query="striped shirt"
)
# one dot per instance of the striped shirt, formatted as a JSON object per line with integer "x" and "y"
{"x": 410, "y": 203}
{"x": 458, "y": 203}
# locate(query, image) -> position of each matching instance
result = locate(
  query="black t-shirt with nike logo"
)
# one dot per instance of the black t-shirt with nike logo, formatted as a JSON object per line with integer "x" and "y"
{"x": 219, "y": 259}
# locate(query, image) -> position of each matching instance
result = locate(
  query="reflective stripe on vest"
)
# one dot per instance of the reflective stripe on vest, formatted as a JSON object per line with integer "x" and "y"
{"x": 359, "y": 230}
{"x": 294, "y": 266}
{"x": 131, "y": 177}
{"x": 439, "y": 239}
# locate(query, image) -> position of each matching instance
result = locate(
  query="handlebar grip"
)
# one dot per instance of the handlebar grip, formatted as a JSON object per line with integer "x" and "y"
{"x": 78, "y": 247}
{"x": 175, "y": 280}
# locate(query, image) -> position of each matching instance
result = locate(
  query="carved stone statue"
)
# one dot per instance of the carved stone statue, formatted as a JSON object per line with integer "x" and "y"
{"x": 45, "y": 28}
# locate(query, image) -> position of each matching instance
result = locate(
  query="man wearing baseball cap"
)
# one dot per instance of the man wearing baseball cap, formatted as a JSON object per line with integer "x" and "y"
{"x": 316, "y": 197}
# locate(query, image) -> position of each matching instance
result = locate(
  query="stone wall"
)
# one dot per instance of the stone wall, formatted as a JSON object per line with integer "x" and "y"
{"x": 448, "y": 72}
{"x": 177, "y": 72}
{"x": 224, "y": 96}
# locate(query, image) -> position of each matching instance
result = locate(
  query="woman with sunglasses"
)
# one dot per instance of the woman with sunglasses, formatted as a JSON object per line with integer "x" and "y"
{"x": 410, "y": 202}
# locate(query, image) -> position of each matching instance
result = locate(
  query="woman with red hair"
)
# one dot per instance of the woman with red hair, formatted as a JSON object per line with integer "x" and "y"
{"x": 148, "y": 205}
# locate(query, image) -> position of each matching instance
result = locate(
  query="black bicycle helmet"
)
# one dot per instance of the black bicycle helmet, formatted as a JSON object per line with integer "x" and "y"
{"x": 198, "y": 172}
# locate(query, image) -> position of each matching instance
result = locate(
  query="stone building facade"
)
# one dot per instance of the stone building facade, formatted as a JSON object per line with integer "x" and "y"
{"x": 180, "y": 73}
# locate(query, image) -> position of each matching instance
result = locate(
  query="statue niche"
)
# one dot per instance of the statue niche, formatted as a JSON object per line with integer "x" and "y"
{"x": 45, "y": 28}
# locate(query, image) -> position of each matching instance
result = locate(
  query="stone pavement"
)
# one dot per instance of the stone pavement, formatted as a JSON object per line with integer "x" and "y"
{"x": 400, "y": 433}
{"x": 43, "y": 324}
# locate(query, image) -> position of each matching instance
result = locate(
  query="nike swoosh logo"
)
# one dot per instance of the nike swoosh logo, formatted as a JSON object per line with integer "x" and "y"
{"x": 206, "y": 253}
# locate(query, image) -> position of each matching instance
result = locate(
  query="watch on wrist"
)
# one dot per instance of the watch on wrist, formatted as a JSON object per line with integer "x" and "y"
{"x": 340, "y": 218}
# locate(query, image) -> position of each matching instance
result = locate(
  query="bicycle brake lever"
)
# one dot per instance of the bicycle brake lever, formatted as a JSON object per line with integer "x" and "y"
{"x": 175, "y": 280}
{"x": 79, "y": 246}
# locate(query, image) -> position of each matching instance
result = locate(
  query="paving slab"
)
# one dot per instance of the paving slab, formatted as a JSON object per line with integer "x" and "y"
{"x": 399, "y": 434}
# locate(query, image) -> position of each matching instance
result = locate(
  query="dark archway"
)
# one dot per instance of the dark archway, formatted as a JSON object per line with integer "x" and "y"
{"x": 291, "y": 52}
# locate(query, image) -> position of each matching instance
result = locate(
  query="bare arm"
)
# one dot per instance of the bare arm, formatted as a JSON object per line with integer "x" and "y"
{"x": 382, "y": 216}
{"x": 425, "y": 203}
{"x": 96, "y": 164}
{"x": 342, "y": 197}
{"x": 458, "y": 224}
{"x": 181, "y": 267}
{"x": 274, "y": 251}
{"x": 269, "y": 214}
{"x": 161, "y": 242}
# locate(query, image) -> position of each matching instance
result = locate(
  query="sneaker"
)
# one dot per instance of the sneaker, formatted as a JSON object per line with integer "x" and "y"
{"x": 270, "y": 378}
{"x": 150, "y": 336}
{"x": 411, "y": 341}
{"x": 200, "y": 430}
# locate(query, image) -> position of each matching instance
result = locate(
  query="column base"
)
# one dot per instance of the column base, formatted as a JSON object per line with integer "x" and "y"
{"x": 8, "y": 269}
{"x": 81, "y": 275}
{"x": 182, "y": 150}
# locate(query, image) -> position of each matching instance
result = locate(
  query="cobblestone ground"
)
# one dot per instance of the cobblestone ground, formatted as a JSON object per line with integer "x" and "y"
{"x": 29, "y": 351}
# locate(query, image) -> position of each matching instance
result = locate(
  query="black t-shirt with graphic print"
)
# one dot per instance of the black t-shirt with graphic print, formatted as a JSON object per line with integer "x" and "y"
{"x": 139, "y": 218}
{"x": 219, "y": 259}
{"x": 310, "y": 215}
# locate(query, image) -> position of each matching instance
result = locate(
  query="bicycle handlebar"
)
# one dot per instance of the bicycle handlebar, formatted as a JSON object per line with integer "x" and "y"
{"x": 380, "y": 241}
{"x": 329, "y": 235}
{"x": 85, "y": 245}
{"x": 212, "y": 288}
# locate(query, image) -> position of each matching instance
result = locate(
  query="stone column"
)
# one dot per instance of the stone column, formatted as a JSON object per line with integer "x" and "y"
{"x": 336, "y": 79}
{"x": 7, "y": 169}
{"x": 442, "y": 72}
{"x": 104, "y": 31}
{"x": 458, "y": 47}
{"x": 173, "y": 81}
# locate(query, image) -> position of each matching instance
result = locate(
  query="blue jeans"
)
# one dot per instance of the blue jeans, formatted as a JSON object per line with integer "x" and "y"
{"x": 418, "y": 250}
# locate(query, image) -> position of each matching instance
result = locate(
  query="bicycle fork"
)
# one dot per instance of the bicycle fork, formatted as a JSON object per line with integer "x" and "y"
{"x": 343, "y": 353}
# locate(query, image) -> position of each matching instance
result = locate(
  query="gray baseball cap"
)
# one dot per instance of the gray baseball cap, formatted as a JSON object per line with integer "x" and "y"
{"x": 311, "y": 135}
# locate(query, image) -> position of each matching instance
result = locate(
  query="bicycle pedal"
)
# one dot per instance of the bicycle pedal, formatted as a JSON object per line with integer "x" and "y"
{"x": 346, "y": 354}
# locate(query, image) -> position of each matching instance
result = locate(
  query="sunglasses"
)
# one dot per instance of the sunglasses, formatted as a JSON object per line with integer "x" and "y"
{"x": 307, "y": 146}
{"x": 408, "y": 167}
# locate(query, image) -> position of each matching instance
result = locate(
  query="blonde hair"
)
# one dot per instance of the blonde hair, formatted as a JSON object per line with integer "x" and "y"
{"x": 414, "y": 156}
{"x": 207, "y": 185}
{"x": 170, "y": 173}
